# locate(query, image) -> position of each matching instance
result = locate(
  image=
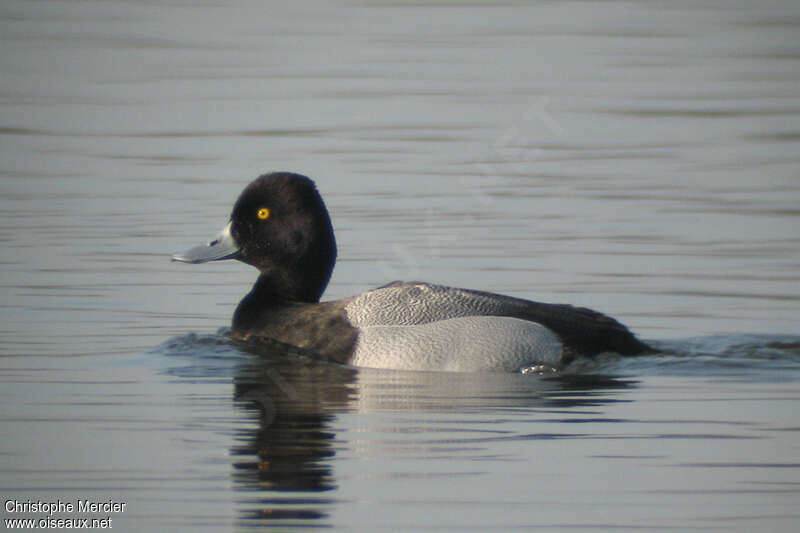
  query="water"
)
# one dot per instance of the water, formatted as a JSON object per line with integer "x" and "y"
{"x": 637, "y": 158}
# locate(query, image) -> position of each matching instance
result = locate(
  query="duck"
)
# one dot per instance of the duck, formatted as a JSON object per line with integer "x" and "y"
{"x": 280, "y": 225}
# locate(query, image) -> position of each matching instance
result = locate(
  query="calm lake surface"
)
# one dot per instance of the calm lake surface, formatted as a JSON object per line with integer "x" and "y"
{"x": 639, "y": 158}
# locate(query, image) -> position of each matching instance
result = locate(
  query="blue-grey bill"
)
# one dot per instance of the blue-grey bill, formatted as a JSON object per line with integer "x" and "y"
{"x": 221, "y": 247}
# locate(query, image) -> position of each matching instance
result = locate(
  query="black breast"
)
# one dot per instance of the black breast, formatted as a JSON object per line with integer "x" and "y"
{"x": 320, "y": 329}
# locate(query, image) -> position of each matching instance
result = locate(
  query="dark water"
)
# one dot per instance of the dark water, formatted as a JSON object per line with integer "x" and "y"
{"x": 637, "y": 158}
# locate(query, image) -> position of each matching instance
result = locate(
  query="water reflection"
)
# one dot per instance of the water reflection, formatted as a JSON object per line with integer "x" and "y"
{"x": 286, "y": 459}
{"x": 309, "y": 441}
{"x": 287, "y": 452}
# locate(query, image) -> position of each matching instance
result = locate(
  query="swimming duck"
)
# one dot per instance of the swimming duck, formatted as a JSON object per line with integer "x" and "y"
{"x": 280, "y": 225}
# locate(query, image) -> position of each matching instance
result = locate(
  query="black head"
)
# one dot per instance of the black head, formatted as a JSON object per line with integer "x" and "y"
{"x": 282, "y": 227}
{"x": 279, "y": 225}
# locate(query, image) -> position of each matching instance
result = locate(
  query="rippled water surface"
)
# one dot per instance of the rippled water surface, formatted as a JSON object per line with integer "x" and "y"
{"x": 639, "y": 158}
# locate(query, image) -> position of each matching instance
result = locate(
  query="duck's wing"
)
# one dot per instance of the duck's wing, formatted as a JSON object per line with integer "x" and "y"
{"x": 583, "y": 331}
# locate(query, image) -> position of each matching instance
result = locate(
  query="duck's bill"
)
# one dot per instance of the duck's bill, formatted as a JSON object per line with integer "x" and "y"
{"x": 221, "y": 247}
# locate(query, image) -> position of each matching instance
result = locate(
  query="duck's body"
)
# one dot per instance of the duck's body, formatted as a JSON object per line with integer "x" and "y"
{"x": 281, "y": 226}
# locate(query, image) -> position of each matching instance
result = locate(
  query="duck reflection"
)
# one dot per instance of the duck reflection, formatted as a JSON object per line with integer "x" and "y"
{"x": 286, "y": 462}
{"x": 295, "y": 399}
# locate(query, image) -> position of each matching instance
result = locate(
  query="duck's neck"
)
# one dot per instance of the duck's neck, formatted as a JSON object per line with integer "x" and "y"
{"x": 285, "y": 286}
{"x": 267, "y": 295}
{"x": 276, "y": 290}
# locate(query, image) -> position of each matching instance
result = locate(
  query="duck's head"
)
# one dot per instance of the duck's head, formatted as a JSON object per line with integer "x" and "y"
{"x": 279, "y": 225}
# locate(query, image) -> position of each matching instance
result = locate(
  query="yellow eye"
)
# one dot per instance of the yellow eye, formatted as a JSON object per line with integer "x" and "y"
{"x": 263, "y": 213}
